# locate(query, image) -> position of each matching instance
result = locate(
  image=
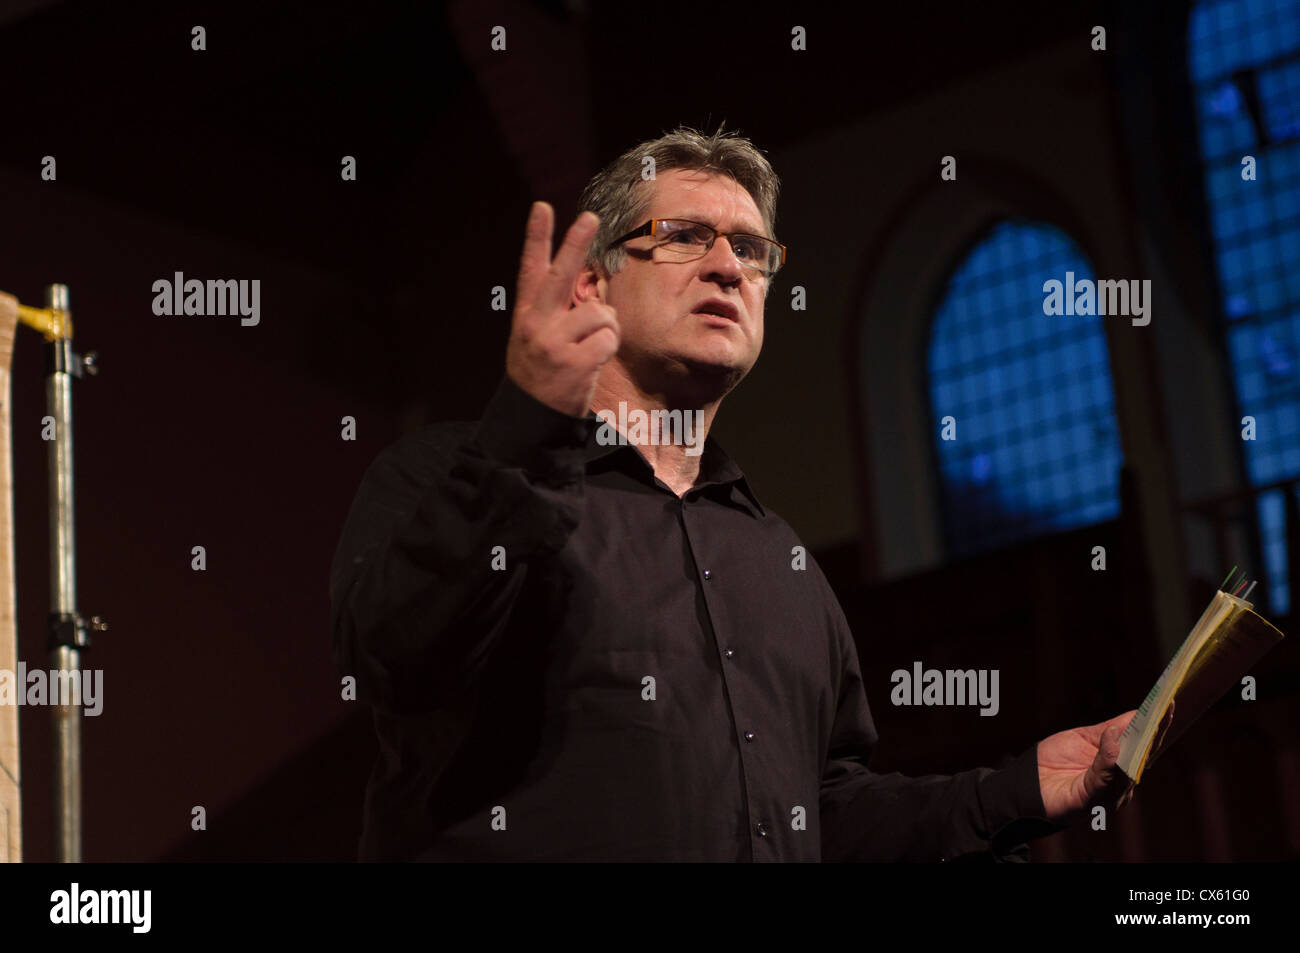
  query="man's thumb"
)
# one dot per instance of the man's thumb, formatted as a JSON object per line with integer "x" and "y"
{"x": 1108, "y": 747}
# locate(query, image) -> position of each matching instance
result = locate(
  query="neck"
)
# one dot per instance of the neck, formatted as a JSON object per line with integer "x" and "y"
{"x": 673, "y": 453}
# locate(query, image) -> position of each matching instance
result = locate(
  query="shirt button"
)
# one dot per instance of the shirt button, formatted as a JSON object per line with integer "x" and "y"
{"x": 707, "y": 574}
{"x": 729, "y": 652}
{"x": 749, "y": 736}
{"x": 762, "y": 830}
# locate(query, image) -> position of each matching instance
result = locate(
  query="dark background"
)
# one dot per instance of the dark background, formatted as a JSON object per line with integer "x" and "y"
{"x": 219, "y": 686}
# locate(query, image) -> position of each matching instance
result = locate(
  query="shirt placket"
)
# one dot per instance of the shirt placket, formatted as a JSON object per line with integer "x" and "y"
{"x": 747, "y": 732}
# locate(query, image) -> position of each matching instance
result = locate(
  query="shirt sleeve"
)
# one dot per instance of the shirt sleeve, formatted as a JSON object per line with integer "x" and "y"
{"x": 417, "y": 590}
{"x": 981, "y": 814}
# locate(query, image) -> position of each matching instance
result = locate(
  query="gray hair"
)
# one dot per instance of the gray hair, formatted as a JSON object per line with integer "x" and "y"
{"x": 621, "y": 197}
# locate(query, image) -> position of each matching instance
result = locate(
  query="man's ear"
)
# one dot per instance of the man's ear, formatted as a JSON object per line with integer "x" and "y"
{"x": 591, "y": 285}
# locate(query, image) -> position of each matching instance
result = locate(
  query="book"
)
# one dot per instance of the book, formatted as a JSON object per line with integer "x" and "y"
{"x": 1228, "y": 639}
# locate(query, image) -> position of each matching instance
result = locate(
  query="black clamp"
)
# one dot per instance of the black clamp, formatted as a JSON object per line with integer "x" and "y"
{"x": 70, "y": 629}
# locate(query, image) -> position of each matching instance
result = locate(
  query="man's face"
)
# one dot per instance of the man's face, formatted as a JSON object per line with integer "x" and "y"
{"x": 664, "y": 332}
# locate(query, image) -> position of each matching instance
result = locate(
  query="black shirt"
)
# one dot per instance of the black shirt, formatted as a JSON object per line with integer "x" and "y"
{"x": 566, "y": 661}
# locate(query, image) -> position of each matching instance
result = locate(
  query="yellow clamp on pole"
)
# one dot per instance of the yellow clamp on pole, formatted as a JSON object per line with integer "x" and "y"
{"x": 54, "y": 323}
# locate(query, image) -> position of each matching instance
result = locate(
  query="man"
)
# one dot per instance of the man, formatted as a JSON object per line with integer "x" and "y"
{"x": 582, "y": 644}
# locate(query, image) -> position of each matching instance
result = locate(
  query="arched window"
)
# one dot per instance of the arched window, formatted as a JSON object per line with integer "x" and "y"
{"x": 1037, "y": 445}
{"x": 1244, "y": 60}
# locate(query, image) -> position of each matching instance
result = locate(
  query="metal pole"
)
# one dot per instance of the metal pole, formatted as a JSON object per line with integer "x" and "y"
{"x": 63, "y": 587}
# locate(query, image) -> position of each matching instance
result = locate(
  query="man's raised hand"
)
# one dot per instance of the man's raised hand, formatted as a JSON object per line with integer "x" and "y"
{"x": 556, "y": 351}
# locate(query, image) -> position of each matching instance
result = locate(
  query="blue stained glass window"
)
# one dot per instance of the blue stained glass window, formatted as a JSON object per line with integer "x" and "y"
{"x": 1037, "y": 446}
{"x": 1244, "y": 59}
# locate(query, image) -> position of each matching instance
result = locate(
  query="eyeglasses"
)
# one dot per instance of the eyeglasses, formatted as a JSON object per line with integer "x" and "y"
{"x": 682, "y": 240}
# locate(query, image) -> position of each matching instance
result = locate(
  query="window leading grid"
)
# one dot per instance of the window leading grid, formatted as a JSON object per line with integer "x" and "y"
{"x": 1244, "y": 60}
{"x": 1037, "y": 446}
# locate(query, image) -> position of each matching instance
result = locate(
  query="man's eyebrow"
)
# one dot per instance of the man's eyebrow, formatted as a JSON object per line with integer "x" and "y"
{"x": 747, "y": 226}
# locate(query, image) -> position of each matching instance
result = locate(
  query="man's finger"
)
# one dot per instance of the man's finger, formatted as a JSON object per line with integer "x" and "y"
{"x": 1129, "y": 789}
{"x": 536, "y": 257}
{"x": 582, "y": 322}
{"x": 600, "y": 345}
{"x": 1166, "y": 723}
{"x": 557, "y": 287}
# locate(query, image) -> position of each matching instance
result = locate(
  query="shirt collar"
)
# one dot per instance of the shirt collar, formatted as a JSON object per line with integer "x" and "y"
{"x": 717, "y": 469}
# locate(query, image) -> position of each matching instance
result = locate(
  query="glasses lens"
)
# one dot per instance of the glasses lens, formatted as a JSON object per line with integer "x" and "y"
{"x": 757, "y": 252}
{"x": 680, "y": 240}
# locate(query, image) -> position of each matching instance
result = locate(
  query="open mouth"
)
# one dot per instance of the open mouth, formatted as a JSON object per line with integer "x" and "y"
{"x": 718, "y": 309}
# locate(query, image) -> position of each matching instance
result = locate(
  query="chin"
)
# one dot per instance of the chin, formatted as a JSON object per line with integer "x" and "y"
{"x": 709, "y": 354}
{"x": 716, "y": 372}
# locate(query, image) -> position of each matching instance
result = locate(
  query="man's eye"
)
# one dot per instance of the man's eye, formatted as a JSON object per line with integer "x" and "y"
{"x": 689, "y": 236}
{"x": 745, "y": 248}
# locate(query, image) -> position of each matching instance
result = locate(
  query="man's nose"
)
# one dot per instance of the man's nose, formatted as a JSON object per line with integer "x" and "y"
{"x": 721, "y": 261}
